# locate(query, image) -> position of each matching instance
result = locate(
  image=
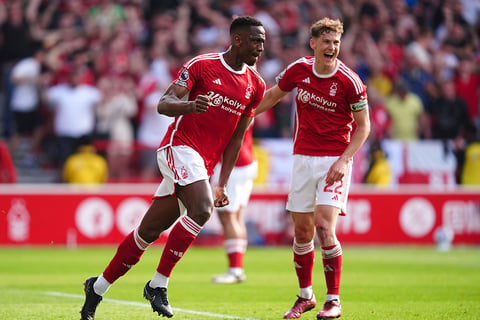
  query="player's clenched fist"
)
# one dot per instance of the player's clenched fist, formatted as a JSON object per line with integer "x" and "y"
{"x": 201, "y": 104}
{"x": 221, "y": 197}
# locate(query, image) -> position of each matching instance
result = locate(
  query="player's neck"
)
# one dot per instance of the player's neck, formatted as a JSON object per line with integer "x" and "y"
{"x": 325, "y": 68}
{"x": 231, "y": 60}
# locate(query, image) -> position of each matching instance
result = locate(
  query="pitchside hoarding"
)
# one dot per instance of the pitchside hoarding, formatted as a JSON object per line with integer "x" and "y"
{"x": 71, "y": 216}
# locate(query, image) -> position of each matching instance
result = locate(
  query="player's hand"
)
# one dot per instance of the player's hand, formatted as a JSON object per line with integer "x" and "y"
{"x": 336, "y": 171}
{"x": 221, "y": 197}
{"x": 201, "y": 104}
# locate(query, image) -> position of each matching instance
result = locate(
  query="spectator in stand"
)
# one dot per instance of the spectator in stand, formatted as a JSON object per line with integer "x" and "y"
{"x": 379, "y": 117}
{"x": 135, "y": 24}
{"x": 85, "y": 166}
{"x": 468, "y": 158}
{"x": 73, "y": 105}
{"x": 17, "y": 36}
{"x": 152, "y": 125}
{"x": 408, "y": 120}
{"x": 361, "y": 52}
{"x": 26, "y": 102}
{"x": 263, "y": 12}
{"x": 471, "y": 12}
{"x": 417, "y": 76}
{"x": 467, "y": 85}
{"x": 106, "y": 14}
{"x": 114, "y": 115}
{"x": 54, "y": 15}
{"x": 287, "y": 15}
{"x": 453, "y": 28}
{"x": 421, "y": 49}
{"x": 444, "y": 61}
{"x": 392, "y": 52}
{"x": 379, "y": 171}
{"x": 160, "y": 58}
{"x": 448, "y": 113}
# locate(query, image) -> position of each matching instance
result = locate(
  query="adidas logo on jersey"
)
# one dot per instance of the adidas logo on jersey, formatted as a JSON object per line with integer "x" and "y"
{"x": 335, "y": 197}
{"x": 306, "y": 80}
{"x": 217, "y": 81}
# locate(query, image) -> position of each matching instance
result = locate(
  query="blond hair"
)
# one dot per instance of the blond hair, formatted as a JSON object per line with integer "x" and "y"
{"x": 326, "y": 25}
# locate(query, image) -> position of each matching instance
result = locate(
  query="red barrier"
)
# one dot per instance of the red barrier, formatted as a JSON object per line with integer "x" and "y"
{"x": 70, "y": 215}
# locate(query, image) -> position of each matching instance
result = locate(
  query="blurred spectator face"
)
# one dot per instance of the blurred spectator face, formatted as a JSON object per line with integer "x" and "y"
{"x": 401, "y": 88}
{"x": 76, "y": 77}
{"x": 466, "y": 67}
{"x": 76, "y": 6}
{"x": 448, "y": 90}
{"x": 105, "y": 85}
{"x": 15, "y": 13}
{"x": 163, "y": 21}
{"x": 67, "y": 20}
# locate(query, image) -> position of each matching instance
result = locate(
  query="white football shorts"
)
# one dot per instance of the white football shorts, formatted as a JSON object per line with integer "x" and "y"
{"x": 179, "y": 164}
{"x": 308, "y": 187}
{"x": 240, "y": 185}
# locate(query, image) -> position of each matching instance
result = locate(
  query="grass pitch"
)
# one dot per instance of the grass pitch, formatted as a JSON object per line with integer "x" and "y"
{"x": 377, "y": 283}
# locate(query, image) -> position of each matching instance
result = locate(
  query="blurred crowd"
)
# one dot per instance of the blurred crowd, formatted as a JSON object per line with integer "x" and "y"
{"x": 96, "y": 68}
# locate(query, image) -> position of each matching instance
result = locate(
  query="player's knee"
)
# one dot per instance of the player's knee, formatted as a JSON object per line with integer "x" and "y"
{"x": 325, "y": 233}
{"x": 201, "y": 214}
{"x": 148, "y": 233}
{"x": 304, "y": 234}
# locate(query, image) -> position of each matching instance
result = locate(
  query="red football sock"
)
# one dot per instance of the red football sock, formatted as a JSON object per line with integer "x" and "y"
{"x": 127, "y": 255}
{"x": 182, "y": 235}
{"x": 235, "y": 249}
{"x": 235, "y": 260}
{"x": 332, "y": 264}
{"x": 304, "y": 258}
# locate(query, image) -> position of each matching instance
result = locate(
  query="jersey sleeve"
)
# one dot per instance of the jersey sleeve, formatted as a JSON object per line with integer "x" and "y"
{"x": 287, "y": 79}
{"x": 284, "y": 79}
{"x": 188, "y": 74}
{"x": 358, "y": 98}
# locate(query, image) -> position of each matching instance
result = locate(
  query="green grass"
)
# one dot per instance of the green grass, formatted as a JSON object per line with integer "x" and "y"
{"x": 377, "y": 283}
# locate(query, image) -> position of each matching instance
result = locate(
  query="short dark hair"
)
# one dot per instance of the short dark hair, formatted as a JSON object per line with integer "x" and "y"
{"x": 244, "y": 21}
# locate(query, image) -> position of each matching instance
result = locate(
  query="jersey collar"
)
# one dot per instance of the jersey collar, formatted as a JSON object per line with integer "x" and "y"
{"x": 325, "y": 75}
{"x": 225, "y": 64}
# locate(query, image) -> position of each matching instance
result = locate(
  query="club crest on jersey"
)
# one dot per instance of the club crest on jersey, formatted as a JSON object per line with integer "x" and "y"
{"x": 248, "y": 92}
{"x": 184, "y": 173}
{"x": 333, "y": 89}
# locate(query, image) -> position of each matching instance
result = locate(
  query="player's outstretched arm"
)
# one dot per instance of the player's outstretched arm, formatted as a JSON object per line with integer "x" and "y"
{"x": 172, "y": 104}
{"x": 271, "y": 98}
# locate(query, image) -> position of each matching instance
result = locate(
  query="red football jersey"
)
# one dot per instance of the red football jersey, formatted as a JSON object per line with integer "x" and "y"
{"x": 233, "y": 94}
{"x": 323, "y": 116}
